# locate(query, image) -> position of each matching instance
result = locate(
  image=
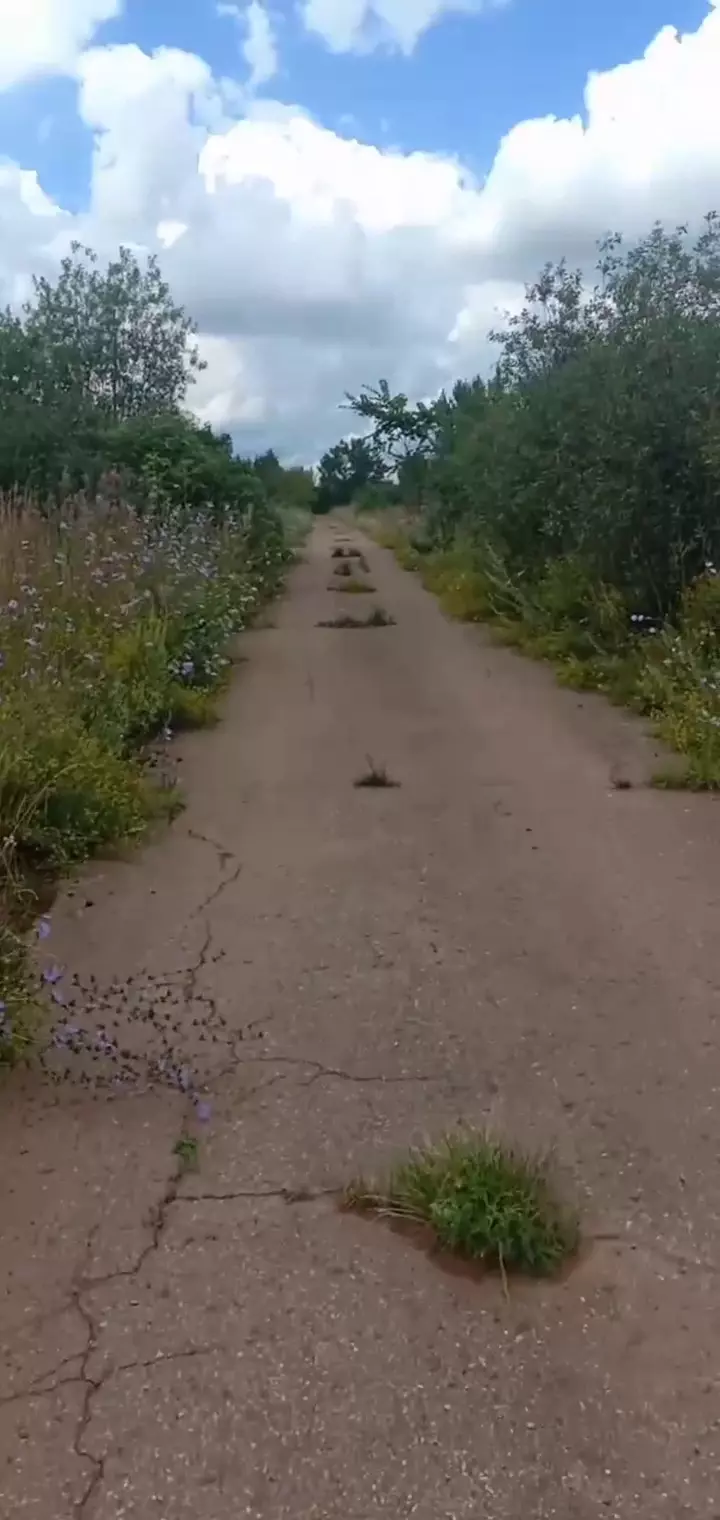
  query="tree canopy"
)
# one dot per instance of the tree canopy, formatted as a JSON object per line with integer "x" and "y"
{"x": 598, "y": 435}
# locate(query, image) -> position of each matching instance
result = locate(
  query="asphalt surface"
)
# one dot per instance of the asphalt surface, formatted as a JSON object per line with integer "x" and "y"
{"x": 507, "y": 937}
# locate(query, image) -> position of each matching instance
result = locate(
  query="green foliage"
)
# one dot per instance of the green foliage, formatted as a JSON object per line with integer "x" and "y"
{"x": 597, "y": 438}
{"x": 63, "y": 792}
{"x": 374, "y": 497}
{"x": 483, "y": 1200}
{"x": 572, "y": 499}
{"x": 187, "y": 1150}
{"x": 292, "y": 488}
{"x": 345, "y": 471}
{"x": 114, "y": 629}
{"x": 111, "y": 338}
{"x": 169, "y": 458}
{"x": 145, "y": 546}
{"x": 94, "y": 350}
{"x": 20, "y": 1009}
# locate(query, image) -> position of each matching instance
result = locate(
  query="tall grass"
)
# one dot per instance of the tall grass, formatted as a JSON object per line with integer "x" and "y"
{"x": 114, "y": 629}
{"x": 666, "y": 670}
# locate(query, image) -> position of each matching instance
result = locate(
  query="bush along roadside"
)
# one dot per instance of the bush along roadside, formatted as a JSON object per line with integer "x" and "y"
{"x": 114, "y": 632}
{"x": 571, "y": 498}
{"x": 665, "y": 670}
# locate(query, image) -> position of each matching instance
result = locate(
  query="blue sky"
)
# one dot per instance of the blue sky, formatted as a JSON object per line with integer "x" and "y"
{"x": 468, "y": 81}
{"x": 321, "y": 228}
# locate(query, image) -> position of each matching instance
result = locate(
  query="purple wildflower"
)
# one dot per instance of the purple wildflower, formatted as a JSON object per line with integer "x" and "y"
{"x": 65, "y": 1035}
{"x": 52, "y": 974}
{"x": 103, "y": 1044}
{"x": 44, "y": 927}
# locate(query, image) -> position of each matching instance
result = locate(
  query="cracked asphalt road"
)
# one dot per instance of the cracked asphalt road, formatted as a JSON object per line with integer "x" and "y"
{"x": 505, "y": 937}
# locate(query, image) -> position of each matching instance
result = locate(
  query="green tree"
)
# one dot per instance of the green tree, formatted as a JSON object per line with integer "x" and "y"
{"x": 111, "y": 339}
{"x": 345, "y": 470}
{"x": 595, "y": 441}
{"x": 90, "y": 352}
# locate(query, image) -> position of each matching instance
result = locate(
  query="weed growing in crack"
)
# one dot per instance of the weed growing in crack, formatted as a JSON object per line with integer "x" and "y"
{"x": 482, "y": 1200}
{"x": 376, "y": 619}
{"x": 375, "y": 776}
{"x": 187, "y": 1150}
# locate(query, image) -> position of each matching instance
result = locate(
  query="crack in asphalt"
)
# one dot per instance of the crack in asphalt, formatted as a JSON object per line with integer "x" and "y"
{"x": 309, "y": 1071}
{"x": 224, "y": 856}
{"x": 319, "y": 1071}
{"x": 289, "y": 1195}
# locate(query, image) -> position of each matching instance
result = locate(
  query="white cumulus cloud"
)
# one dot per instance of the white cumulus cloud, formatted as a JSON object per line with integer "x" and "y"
{"x": 45, "y": 36}
{"x": 360, "y": 25}
{"x": 258, "y": 46}
{"x": 314, "y": 262}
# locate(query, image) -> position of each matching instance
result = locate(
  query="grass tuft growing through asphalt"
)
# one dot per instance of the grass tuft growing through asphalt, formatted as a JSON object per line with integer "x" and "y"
{"x": 483, "y": 1200}
{"x": 375, "y": 776}
{"x": 379, "y": 618}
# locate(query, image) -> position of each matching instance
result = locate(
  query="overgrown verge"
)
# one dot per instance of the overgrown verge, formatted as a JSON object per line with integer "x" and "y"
{"x": 134, "y": 542}
{"x": 572, "y": 498}
{"x": 667, "y": 671}
{"x": 114, "y": 632}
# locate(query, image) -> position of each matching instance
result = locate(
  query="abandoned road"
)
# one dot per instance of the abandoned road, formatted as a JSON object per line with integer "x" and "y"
{"x": 192, "y": 1330}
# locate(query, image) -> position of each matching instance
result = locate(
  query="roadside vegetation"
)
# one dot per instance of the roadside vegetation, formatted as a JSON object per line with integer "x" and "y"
{"x": 133, "y": 545}
{"x": 572, "y": 500}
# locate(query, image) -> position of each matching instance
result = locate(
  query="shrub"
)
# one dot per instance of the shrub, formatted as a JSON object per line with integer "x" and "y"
{"x": 571, "y": 499}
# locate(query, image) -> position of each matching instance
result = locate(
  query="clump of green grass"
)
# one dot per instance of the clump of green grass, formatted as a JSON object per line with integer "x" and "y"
{"x": 187, "y": 1150}
{"x": 482, "y": 1200}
